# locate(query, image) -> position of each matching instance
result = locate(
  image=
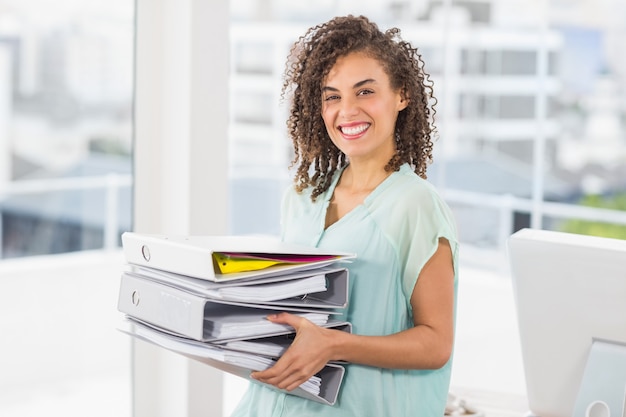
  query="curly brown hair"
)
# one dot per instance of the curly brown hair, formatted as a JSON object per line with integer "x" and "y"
{"x": 309, "y": 62}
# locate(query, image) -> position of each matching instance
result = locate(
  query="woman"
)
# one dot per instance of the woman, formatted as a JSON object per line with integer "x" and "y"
{"x": 361, "y": 125}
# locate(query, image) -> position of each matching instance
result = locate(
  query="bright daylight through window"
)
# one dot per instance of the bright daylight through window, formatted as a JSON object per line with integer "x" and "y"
{"x": 65, "y": 125}
{"x": 66, "y": 96}
{"x": 531, "y": 108}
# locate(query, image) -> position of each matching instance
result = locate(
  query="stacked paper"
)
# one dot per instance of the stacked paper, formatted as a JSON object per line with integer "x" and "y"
{"x": 208, "y": 298}
{"x": 269, "y": 348}
{"x": 246, "y": 322}
{"x": 237, "y": 360}
{"x": 273, "y": 292}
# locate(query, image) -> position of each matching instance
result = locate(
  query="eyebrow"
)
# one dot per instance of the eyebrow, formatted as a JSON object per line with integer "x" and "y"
{"x": 357, "y": 85}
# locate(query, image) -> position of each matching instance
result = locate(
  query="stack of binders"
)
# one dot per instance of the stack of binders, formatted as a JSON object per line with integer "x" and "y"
{"x": 207, "y": 297}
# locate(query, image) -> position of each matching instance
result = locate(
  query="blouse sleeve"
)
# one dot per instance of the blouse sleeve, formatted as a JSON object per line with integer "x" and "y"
{"x": 428, "y": 219}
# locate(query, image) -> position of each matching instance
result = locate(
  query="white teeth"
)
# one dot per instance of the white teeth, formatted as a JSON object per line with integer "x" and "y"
{"x": 354, "y": 130}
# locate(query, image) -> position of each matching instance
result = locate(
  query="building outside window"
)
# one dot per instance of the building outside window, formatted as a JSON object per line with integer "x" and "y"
{"x": 66, "y": 126}
{"x": 532, "y": 122}
{"x": 530, "y": 100}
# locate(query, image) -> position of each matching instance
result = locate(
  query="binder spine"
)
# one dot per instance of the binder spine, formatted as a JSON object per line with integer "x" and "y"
{"x": 167, "y": 307}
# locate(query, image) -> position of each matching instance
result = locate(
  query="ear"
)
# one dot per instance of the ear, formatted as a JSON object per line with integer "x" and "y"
{"x": 404, "y": 103}
{"x": 404, "y": 100}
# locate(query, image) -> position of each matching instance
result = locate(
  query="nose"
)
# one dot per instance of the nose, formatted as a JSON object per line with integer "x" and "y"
{"x": 349, "y": 107}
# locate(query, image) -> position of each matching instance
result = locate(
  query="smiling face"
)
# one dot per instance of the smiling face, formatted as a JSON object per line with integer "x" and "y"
{"x": 360, "y": 108}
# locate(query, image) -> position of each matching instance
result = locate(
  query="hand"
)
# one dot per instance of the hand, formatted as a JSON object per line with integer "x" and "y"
{"x": 308, "y": 354}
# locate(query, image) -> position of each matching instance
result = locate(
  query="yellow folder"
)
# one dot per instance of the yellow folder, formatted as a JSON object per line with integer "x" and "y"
{"x": 228, "y": 264}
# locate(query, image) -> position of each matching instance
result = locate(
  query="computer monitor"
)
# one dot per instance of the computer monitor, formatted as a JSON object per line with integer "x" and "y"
{"x": 568, "y": 289}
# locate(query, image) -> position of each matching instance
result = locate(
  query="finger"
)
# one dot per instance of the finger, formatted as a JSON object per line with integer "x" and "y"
{"x": 280, "y": 369}
{"x": 270, "y": 373}
{"x": 289, "y": 381}
{"x": 280, "y": 381}
{"x": 285, "y": 318}
{"x": 284, "y": 373}
{"x": 290, "y": 386}
{"x": 296, "y": 376}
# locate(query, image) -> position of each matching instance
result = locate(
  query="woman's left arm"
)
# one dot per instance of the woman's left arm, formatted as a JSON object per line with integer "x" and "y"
{"x": 427, "y": 345}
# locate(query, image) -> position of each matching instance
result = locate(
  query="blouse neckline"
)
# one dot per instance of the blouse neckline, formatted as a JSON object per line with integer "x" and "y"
{"x": 375, "y": 192}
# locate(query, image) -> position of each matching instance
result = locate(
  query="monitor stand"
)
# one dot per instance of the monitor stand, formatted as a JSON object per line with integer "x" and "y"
{"x": 603, "y": 387}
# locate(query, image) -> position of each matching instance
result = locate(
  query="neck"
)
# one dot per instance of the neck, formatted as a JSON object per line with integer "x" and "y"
{"x": 363, "y": 178}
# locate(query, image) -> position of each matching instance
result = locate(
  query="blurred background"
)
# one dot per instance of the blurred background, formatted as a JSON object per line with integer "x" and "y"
{"x": 532, "y": 133}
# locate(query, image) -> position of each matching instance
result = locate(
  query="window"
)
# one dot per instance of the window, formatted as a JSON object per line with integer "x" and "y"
{"x": 66, "y": 125}
{"x": 510, "y": 73}
{"x": 499, "y": 62}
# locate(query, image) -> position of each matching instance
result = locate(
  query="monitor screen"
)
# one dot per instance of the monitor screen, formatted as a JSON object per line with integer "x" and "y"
{"x": 568, "y": 289}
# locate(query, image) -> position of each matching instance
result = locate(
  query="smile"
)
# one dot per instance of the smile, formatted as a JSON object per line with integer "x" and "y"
{"x": 354, "y": 130}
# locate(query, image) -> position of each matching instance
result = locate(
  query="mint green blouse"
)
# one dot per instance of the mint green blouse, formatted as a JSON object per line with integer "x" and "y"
{"x": 393, "y": 233}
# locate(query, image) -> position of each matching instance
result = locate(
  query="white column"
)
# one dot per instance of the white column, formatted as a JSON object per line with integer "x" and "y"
{"x": 181, "y": 167}
{"x": 5, "y": 116}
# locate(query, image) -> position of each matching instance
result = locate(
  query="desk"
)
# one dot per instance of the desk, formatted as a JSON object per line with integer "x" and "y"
{"x": 493, "y": 404}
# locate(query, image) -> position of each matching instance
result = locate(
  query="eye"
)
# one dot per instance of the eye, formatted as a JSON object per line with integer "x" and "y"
{"x": 365, "y": 92}
{"x": 331, "y": 97}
